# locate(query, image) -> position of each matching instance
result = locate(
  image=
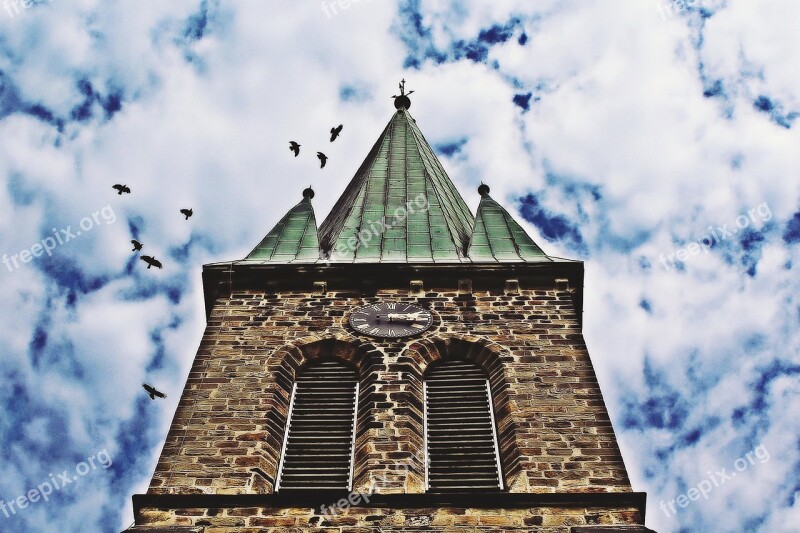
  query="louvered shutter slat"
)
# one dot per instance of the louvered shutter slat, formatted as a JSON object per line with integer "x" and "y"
{"x": 319, "y": 441}
{"x": 460, "y": 439}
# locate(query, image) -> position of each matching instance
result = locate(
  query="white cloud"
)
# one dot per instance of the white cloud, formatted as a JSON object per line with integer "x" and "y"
{"x": 617, "y": 106}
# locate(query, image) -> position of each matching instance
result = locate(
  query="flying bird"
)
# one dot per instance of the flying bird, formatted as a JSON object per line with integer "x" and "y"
{"x": 153, "y": 392}
{"x": 121, "y": 188}
{"x": 187, "y": 212}
{"x": 294, "y": 147}
{"x": 322, "y": 159}
{"x": 151, "y": 261}
{"x": 137, "y": 246}
{"x": 336, "y": 131}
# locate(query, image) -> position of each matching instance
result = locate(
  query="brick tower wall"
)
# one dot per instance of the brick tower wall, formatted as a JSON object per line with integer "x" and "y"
{"x": 553, "y": 429}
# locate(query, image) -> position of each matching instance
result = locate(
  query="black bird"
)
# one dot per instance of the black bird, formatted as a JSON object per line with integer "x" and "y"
{"x": 121, "y": 188}
{"x": 336, "y": 131}
{"x": 187, "y": 212}
{"x": 151, "y": 261}
{"x": 322, "y": 159}
{"x": 294, "y": 147}
{"x": 153, "y": 392}
{"x": 137, "y": 246}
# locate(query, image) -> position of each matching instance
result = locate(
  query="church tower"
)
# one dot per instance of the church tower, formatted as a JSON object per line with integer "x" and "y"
{"x": 404, "y": 366}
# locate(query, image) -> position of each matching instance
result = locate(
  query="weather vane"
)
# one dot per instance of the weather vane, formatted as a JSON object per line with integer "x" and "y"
{"x": 402, "y": 101}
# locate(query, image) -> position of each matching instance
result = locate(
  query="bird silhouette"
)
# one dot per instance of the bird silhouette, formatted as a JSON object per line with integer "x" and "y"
{"x": 294, "y": 147}
{"x": 153, "y": 392}
{"x": 336, "y": 131}
{"x": 137, "y": 246}
{"x": 121, "y": 188}
{"x": 151, "y": 261}
{"x": 322, "y": 159}
{"x": 187, "y": 212}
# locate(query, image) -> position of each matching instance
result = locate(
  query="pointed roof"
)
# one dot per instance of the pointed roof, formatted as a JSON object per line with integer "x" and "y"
{"x": 498, "y": 237}
{"x": 294, "y": 239}
{"x": 400, "y": 206}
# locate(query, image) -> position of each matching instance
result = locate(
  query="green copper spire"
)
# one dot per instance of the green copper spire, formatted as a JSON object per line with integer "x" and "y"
{"x": 498, "y": 237}
{"x": 400, "y": 206}
{"x": 294, "y": 239}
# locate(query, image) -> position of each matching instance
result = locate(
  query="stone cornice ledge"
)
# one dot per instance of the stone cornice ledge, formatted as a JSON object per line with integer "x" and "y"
{"x": 468, "y": 500}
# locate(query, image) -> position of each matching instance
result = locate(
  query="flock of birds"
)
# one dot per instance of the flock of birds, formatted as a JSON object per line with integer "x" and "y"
{"x": 151, "y": 262}
{"x": 294, "y": 147}
{"x": 137, "y": 246}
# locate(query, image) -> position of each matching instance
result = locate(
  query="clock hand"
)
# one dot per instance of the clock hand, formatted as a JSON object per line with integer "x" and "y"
{"x": 407, "y": 317}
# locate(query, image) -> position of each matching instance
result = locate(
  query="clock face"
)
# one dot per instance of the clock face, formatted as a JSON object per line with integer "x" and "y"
{"x": 391, "y": 319}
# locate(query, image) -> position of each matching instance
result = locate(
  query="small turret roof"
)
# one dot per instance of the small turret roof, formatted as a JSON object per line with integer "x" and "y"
{"x": 294, "y": 239}
{"x": 497, "y": 236}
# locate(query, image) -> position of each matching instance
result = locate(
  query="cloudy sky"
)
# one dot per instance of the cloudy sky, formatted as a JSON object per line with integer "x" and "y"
{"x": 657, "y": 141}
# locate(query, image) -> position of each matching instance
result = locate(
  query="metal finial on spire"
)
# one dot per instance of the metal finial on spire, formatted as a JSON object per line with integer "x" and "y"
{"x": 402, "y": 101}
{"x": 308, "y": 193}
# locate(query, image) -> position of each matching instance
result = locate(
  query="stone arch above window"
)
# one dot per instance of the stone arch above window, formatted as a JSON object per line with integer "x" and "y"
{"x": 460, "y": 437}
{"x": 283, "y": 368}
{"x": 494, "y": 360}
{"x": 317, "y": 452}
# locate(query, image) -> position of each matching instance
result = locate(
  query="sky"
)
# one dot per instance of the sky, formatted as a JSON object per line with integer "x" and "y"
{"x": 658, "y": 141}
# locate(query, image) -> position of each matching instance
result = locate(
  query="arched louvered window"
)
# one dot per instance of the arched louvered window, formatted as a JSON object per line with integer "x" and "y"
{"x": 460, "y": 438}
{"x": 318, "y": 445}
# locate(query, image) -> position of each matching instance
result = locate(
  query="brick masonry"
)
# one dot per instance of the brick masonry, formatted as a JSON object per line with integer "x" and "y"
{"x": 553, "y": 429}
{"x": 372, "y": 520}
